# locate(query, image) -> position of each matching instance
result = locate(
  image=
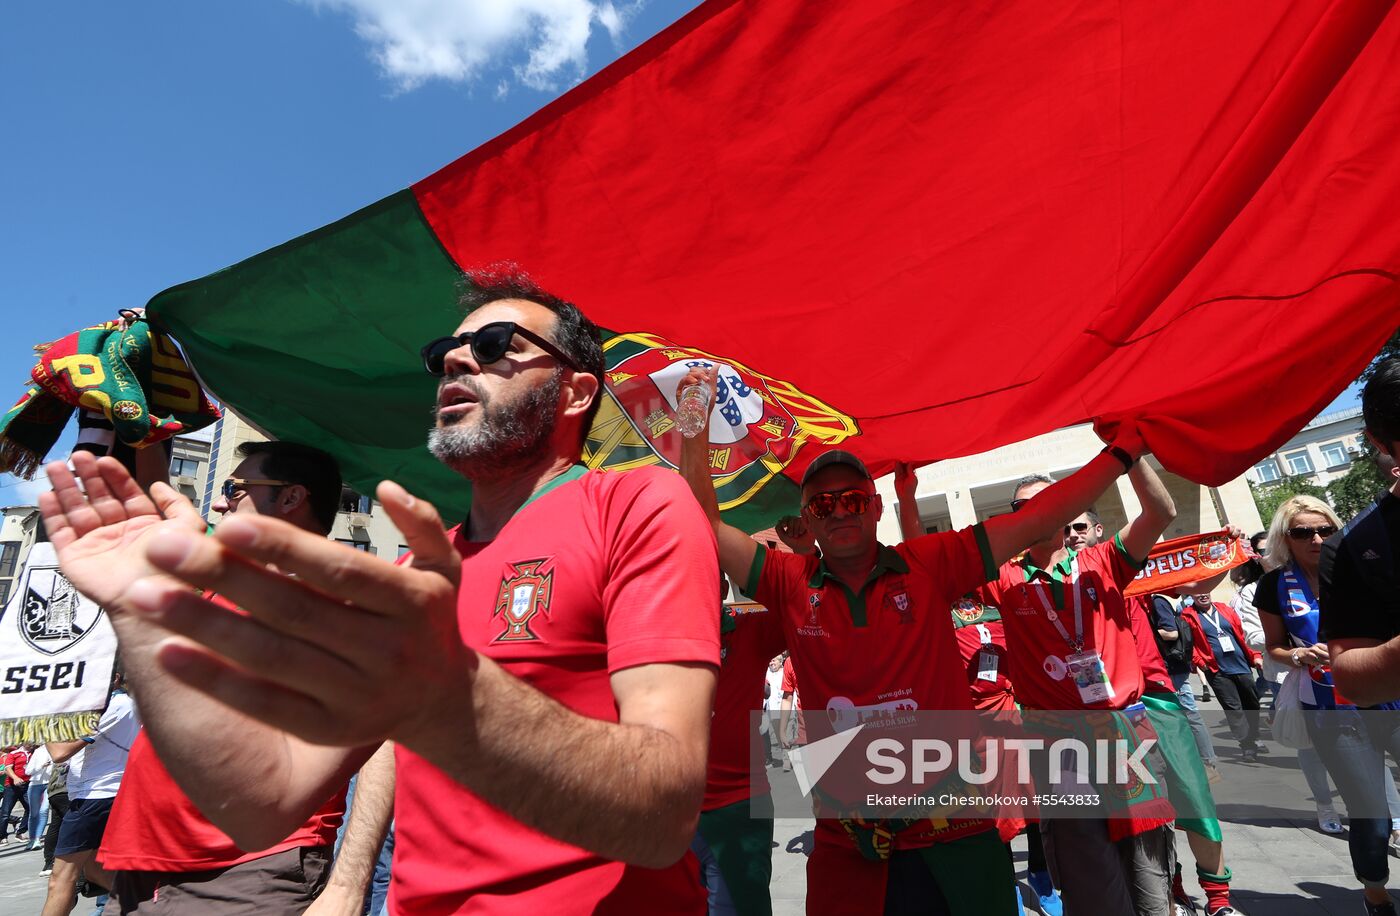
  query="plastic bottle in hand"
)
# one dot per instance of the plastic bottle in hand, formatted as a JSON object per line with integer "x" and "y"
{"x": 693, "y": 411}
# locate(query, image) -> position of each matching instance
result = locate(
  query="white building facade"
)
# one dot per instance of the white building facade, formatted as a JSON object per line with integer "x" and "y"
{"x": 19, "y": 529}
{"x": 960, "y": 492}
{"x": 1320, "y": 453}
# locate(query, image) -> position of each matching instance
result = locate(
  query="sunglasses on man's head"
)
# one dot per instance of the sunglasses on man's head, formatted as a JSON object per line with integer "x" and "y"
{"x": 1077, "y": 528}
{"x": 1304, "y": 533}
{"x": 854, "y": 501}
{"x": 489, "y": 344}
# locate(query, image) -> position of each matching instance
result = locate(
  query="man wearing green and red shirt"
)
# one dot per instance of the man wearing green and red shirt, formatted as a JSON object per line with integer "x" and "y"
{"x": 1070, "y": 647}
{"x": 869, "y": 629}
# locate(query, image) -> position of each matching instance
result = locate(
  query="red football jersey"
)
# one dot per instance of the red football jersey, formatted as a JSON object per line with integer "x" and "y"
{"x": 748, "y": 643}
{"x": 1094, "y": 578}
{"x": 155, "y": 827}
{"x": 16, "y": 760}
{"x": 1154, "y": 668}
{"x": 598, "y": 572}
{"x": 790, "y": 683}
{"x": 884, "y": 651}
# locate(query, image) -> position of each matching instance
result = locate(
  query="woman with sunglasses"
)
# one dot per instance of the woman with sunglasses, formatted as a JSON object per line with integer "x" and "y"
{"x": 1286, "y": 597}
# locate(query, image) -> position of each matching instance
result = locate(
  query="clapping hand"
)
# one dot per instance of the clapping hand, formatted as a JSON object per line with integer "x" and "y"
{"x": 100, "y": 530}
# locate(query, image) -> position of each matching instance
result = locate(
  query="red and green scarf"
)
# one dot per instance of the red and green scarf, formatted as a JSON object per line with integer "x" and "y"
{"x": 135, "y": 377}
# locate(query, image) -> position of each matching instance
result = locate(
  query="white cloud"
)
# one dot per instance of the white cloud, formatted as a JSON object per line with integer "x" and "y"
{"x": 542, "y": 42}
{"x": 15, "y": 491}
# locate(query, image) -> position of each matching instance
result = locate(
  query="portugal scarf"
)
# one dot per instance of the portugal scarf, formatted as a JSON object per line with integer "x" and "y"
{"x": 1185, "y": 560}
{"x": 135, "y": 377}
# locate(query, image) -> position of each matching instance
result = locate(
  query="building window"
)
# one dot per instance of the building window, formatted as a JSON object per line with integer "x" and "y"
{"x": 1267, "y": 471}
{"x": 9, "y": 558}
{"x": 358, "y": 545}
{"x": 1299, "y": 463}
{"x": 1335, "y": 454}
{"x": 350, "y": 501}
{"x": 184, "y": 467}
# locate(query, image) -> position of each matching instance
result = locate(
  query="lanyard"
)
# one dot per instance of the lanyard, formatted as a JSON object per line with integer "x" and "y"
{"x": 1042, "y": 591}
{"x": 1214, "y": 618}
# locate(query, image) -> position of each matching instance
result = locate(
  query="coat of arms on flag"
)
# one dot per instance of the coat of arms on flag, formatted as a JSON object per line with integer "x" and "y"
{"x": 757, "y": 426}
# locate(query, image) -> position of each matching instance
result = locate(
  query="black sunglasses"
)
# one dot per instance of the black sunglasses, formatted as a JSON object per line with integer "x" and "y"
{"x": 1016, "y": 504}
{"x": 855, "y": 502}
{"x": 236, "y": 485}
{"x": 489, "y": 344}
{"x": 1304, "y": 533}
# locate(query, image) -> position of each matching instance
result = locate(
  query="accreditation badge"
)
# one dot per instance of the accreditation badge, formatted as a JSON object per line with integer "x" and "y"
{"x": 1087, "y": 671}
{"x": 987, "y": 663}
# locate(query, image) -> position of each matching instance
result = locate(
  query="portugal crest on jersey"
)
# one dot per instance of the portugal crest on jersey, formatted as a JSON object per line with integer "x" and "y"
{"x": 526, "y": 588}
{"x": 757, "y": 426}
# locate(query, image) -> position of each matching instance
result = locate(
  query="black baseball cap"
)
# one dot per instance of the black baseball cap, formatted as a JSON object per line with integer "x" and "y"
{"x": 835, "y": 456}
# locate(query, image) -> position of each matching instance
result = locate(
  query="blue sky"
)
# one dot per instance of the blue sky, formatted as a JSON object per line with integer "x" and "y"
{"x": 150, "y": 143}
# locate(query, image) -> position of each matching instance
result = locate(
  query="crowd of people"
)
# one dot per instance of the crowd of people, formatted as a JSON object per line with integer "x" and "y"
{"x": 548, "y": 706}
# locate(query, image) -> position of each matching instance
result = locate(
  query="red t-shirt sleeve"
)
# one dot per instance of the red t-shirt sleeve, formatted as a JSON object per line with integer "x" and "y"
{"x": 661, "y": 601}
{"x": 959, "y": 560}
{"x": 1120, "y": 566}
{"x": 777, "y": 578}
{"x": 789, "y": 676}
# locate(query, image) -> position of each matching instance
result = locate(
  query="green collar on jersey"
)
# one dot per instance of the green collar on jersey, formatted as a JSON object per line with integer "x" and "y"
{"x": 573, "y": 473}
{"x": 1060, "y": 572}
{"x": 887, "y": 559}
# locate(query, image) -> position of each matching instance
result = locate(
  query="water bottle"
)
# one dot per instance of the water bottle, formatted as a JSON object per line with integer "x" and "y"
{"x": 693, "y": 410}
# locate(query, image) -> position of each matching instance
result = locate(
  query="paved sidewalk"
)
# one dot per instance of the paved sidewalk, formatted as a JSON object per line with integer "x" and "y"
{"x": 1280, "y": 870}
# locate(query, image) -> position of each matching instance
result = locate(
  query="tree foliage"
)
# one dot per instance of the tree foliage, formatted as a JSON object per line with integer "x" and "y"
{"x": 1391, "y": 350}
{"x": 1361, "y": 484}
{"x": 1347, "y": 495}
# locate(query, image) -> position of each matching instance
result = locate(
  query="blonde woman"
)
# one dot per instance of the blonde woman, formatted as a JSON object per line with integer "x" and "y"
{"x": 1286, "y": 598}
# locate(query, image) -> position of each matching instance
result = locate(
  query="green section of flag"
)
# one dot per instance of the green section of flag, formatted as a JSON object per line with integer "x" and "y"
{"x": 779, "y": 496}
{"x": 317, "y": 341}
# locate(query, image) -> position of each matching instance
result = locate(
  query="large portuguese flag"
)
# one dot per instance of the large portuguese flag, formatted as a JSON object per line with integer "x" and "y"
{"x": 913, "y": 230}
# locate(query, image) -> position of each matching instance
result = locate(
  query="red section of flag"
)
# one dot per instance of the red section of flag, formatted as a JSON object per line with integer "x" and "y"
{"x": 966, "y": 225}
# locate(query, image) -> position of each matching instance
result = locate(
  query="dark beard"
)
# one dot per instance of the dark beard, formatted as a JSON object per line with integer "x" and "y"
{"x": 508, "y": 436}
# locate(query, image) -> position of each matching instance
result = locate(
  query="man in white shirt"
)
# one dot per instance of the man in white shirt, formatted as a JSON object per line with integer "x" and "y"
{"x": 773, "y": 704}
{"x": 95, "y": 767}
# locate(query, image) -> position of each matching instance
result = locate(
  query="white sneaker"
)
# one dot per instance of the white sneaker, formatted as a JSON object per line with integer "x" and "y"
{"x": 1395, "y": 843}
{"x": 1328, "y": 821}
{"x": 45, "y": 872}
